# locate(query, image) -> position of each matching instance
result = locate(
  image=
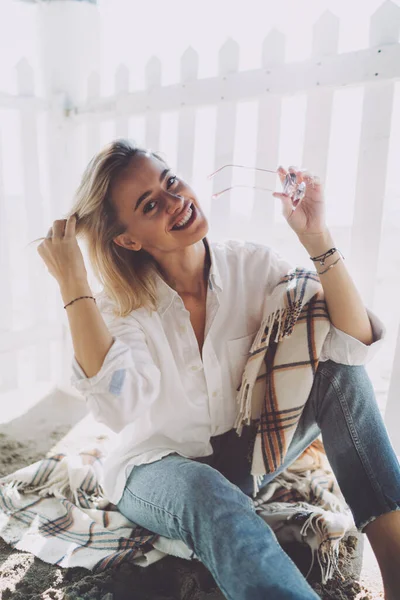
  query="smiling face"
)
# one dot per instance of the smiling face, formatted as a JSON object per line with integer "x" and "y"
{"x": 150, "y": 199}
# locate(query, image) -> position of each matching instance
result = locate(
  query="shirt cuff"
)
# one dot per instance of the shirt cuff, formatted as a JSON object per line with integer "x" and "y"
{"x": 347, "y": 350}
{"x": 81, "y": 382}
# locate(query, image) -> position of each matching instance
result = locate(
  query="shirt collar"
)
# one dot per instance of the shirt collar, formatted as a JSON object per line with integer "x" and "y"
{"x": 166, "y": 294}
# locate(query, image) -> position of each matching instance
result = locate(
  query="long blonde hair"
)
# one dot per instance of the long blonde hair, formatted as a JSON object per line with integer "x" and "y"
{"x": 126, "y": 275}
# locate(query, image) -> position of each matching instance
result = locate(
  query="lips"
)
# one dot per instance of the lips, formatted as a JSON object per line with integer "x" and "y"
{"x": 182, "y": 213}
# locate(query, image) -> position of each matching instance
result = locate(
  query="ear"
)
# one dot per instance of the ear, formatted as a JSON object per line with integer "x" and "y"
{"x": 126, "y": 243}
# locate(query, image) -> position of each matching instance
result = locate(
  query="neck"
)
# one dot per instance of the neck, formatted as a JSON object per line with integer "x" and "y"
{"x": 188, "y": 274}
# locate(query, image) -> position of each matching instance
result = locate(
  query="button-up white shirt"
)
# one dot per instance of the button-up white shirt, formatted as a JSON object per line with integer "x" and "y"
{"x": 154, "y": 388}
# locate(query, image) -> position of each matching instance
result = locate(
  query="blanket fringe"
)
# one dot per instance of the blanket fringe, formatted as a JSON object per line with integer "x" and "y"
{"x": 57, "y": 484}
{"x": 257, "y": 481}
{"x": 327, "y": 551}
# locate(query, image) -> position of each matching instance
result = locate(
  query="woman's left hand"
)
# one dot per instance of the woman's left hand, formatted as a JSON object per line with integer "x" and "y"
{"x": 308, "y": 217}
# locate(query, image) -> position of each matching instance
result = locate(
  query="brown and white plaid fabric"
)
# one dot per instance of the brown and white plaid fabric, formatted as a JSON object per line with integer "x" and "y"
{"x": 56, "y": 509}
{"x": 279, "y": 373}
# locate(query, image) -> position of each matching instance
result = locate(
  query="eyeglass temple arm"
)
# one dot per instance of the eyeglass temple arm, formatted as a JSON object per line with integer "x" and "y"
{"x": 241, "y": 167}
{"x": 240, "y": 185}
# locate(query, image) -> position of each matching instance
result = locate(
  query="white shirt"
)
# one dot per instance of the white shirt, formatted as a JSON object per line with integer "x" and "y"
{"x": 157, "y": 392}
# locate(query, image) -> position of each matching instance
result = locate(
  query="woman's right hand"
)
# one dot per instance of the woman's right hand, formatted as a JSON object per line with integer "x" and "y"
{"x": 61, "y": 253}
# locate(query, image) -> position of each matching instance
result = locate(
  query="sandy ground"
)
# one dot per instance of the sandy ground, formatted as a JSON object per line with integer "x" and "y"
{"x": 38, "y": 423}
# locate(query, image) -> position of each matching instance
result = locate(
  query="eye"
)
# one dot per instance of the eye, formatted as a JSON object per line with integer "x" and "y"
{"x": 147, "y": 209}
{"x": 149, "y": 206}
{"x": 174, "y": 177}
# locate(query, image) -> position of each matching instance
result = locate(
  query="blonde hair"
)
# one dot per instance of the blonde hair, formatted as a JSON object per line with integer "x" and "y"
{"x": 126, "y": 275}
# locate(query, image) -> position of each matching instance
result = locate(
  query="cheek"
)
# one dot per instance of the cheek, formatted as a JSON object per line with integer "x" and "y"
{"x": 188, "y": 192}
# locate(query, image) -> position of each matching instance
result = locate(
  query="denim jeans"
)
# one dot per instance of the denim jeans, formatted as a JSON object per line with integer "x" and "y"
{"x": 205, "y": 501}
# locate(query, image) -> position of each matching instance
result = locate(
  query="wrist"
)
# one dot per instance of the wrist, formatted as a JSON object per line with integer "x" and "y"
{"x": 317, "y": 243}
{"x": 71, "y": 289}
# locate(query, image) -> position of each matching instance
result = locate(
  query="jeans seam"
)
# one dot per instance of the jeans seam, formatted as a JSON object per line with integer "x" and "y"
{"x": 160, "y": 509}
{"x": 353, "y": 433}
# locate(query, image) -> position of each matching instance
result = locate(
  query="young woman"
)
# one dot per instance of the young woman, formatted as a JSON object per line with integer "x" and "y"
{"x": 160, "y": 356}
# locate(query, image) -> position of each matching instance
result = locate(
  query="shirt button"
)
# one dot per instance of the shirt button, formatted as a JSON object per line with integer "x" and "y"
{"x": 182, "y": 328}
{"x": 194, "y": 368}
{"x": 215, "y": 394}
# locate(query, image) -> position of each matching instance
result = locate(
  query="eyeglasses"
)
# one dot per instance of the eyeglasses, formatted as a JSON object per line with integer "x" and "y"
{"x": 295, "y": 190}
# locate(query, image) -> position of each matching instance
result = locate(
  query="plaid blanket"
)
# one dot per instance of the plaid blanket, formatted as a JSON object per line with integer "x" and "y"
{"x": 279, "y": 373}
{"x": 56, "y": 508}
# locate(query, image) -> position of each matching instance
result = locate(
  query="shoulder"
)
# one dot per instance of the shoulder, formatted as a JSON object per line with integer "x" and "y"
{"x": 109, "y": 309}
{"x": 104, "y": 302}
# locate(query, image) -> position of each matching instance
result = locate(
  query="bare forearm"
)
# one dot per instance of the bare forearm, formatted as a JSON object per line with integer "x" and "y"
{"x": 345, "y": 306}
{"x": 90, "y": 336}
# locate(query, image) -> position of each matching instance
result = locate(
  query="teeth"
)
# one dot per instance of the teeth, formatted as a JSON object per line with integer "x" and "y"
{"x": 185, "y": 219}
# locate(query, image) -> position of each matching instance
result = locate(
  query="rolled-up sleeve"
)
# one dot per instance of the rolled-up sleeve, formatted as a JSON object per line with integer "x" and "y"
{"x": 347, "y": 350}
{"x": 128, "y": 381}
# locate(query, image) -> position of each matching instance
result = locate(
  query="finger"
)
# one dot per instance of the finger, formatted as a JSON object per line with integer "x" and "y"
{"x": 70, "y": 226}
{"x": 307, "y": 176}
{"x": 286, "y": 198}
{"x": 297, "y": 172}
{"x": 300, "y": 175}
{"x": 287, "y": 205}
{"x": 311, "y": 180}
{"x": 282, "y": 173}
{"x": 282, "y": 196}
{"x": 58, "y": 229}
{"x": 49, "y": 234}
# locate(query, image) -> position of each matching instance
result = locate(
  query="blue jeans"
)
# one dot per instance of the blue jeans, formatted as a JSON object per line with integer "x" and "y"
{"x": 205, "y": 501}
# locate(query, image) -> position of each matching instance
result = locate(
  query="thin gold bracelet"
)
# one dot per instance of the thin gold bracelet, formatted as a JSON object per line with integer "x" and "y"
{"x": 330, "y": 266}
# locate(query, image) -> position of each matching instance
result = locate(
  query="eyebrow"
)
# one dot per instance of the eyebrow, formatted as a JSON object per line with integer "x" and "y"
{"x": 146, "y": 194}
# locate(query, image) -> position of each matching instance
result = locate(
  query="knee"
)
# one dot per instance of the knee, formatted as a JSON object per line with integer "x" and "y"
{"x": 350, "y": 385}
{"x": 338, "y": 374}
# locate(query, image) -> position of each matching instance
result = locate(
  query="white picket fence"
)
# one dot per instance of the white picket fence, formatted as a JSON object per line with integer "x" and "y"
{"x": 72, "y": 135}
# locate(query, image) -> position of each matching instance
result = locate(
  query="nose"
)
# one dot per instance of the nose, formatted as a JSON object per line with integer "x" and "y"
{"x": 175, "y": 203}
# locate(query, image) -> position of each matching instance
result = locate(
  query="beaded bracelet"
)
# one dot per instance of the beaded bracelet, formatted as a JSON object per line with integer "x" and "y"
{"x": 322, "y": 258}
{"x": 72, "y": 301}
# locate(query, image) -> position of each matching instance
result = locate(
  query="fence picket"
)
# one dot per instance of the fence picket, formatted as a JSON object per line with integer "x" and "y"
{"x": 372, "y": 164}
{"x": 220, "y": 212}
{"x": 8, "y": 359}
{"x": 121, "y": 83}
{"x": 153, "y": 116}
{"x": 267, "y": 152}
{"x": 187, "y": 116}
{"x": 385, "y": 23}
{"x": 92, "y": 125}
{"x": 38, "y": 298}
{"x": 6, "y": 312}
{"x": 319, "y": 102}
